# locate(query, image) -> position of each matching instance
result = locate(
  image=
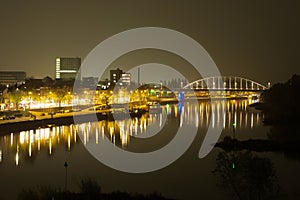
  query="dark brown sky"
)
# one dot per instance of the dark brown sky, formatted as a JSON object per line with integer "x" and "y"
{"x": 254, "y": 39}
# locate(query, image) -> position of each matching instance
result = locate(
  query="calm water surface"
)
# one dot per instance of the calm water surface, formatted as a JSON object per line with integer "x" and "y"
{"x": 37, "y": 157}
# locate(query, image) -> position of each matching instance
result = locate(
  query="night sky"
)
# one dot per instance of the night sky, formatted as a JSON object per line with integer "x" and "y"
{"x": 254, "y": 39}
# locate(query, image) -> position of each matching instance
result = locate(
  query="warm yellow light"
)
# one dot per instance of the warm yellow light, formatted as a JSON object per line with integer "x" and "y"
{"x": 69, "y": 141}
{"x": 111, "y": 130}
{"x": 29, "y": 150}
{"x": 17, "y": 156}
{"x": 97, "y": 136}
{"x": 31, "y": 136}
{"x": 11, "y": 139}
{"x": 47, "y": 133}
{"x": 84, "y": 137}
{"x": 102, "y": 131}
{"x": 50, "y": 146}
{"x": 39, "y": 145}
{"x": 22, "y": 137}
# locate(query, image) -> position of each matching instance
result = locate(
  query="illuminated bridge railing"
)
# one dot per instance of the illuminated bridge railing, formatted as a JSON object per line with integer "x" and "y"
{"x": 228, "y": 83}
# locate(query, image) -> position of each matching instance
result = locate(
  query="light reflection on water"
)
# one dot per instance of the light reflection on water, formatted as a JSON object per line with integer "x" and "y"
{"x": 120, "y": 132}
{"x": 37, "y": 156}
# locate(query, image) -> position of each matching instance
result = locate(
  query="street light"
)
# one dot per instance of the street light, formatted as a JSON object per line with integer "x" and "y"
{"x": 233, "y": 127}
{"x": 66, "y": 175}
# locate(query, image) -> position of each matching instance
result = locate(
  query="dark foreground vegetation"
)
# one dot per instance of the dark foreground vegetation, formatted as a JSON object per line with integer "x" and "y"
{"x": 257, "y": 145}
{"x": 89, "y": 190}
{"x": 245, "y": 175}
{"x": 282, "y": 102}
{"x": 281, "y": 108}
{"x": 291, "y": 149}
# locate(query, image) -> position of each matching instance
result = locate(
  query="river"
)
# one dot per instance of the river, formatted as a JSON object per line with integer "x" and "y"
{"x": 37, "y": 157}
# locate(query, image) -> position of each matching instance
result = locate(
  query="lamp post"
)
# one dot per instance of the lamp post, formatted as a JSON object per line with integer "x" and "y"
{"x": 66, "y": 175}
{"x": 233, "y": 127}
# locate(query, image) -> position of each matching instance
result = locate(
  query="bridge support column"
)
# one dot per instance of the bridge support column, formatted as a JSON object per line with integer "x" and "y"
{"x": 235, "y": 83}
{"x": 241, "y": 84}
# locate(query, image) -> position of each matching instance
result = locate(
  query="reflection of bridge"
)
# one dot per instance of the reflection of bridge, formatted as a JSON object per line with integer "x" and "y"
{"x": 227, "y": 83}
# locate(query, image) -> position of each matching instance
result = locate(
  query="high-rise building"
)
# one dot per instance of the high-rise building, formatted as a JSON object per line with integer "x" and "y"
{"x": 12, "y": 77}
{"x": 125, "y": 79}
{"x": 67, "y": 68}
{"x": 115, "y": 75}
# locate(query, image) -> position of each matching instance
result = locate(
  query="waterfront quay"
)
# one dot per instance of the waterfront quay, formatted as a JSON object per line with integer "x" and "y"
{"x": 39, "y": 118}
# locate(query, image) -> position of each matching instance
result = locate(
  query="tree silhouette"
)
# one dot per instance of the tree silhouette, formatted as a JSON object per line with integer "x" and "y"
{"x": 61, "y": 94}
{"x": 90, "y": 187}
{"x": 246, "y": 176}
{"x": 15, "y": 96}
{"x": 282, "y": 102}
{"x": 282, "y": 110}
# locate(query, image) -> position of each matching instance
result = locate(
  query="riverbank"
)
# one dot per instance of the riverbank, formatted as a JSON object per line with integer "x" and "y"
{"x": 63, "y": 119}
{"x": 258, "y": 145}
{"x": 258, "y": 106}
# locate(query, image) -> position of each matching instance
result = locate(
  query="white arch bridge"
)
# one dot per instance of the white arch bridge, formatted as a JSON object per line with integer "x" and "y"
{"x": 227, "y": 83}
{"x": 225, "y": 86}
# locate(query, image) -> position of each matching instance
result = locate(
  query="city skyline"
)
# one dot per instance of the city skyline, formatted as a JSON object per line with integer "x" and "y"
{"x": 160, "y": 99}
{"x": 260, "y": 44}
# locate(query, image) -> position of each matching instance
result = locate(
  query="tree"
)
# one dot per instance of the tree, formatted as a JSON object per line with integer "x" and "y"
{"x": 16, "y": 97}
{"x": 247, "y": 176}
{"x": 281, "y": 110}
{"x": 47, "y": 81}
{"x": 89, "y": 186}
{"x": 282, "y": 102}
{"x": 61, "y": 93}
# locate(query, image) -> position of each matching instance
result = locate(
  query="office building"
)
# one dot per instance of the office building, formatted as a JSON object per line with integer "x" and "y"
{"x": 12, "y": 77}
{"x": 125, "y": 79}
{"x": 115, "y": 75}
{"x": 67, "y": 68}
{"x": 104, "y": 84}
{"x": 120, "y": 77}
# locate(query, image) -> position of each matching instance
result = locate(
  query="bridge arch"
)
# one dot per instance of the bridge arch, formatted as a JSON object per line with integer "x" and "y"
{"x": 233, "y": 83}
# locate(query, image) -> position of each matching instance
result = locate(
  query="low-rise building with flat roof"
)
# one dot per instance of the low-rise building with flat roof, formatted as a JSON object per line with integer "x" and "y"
{"x": 12, "y": 77}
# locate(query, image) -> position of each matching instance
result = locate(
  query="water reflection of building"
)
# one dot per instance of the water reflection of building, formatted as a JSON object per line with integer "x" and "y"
{"x": 29, "y": 143}
{"x": 26, "y": 144}
{"x": 118, "y": 132}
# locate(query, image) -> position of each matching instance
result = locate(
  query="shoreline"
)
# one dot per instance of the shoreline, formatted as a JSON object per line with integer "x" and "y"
{"x": 15, "y": 127}
{"x": 24, "y": 125}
